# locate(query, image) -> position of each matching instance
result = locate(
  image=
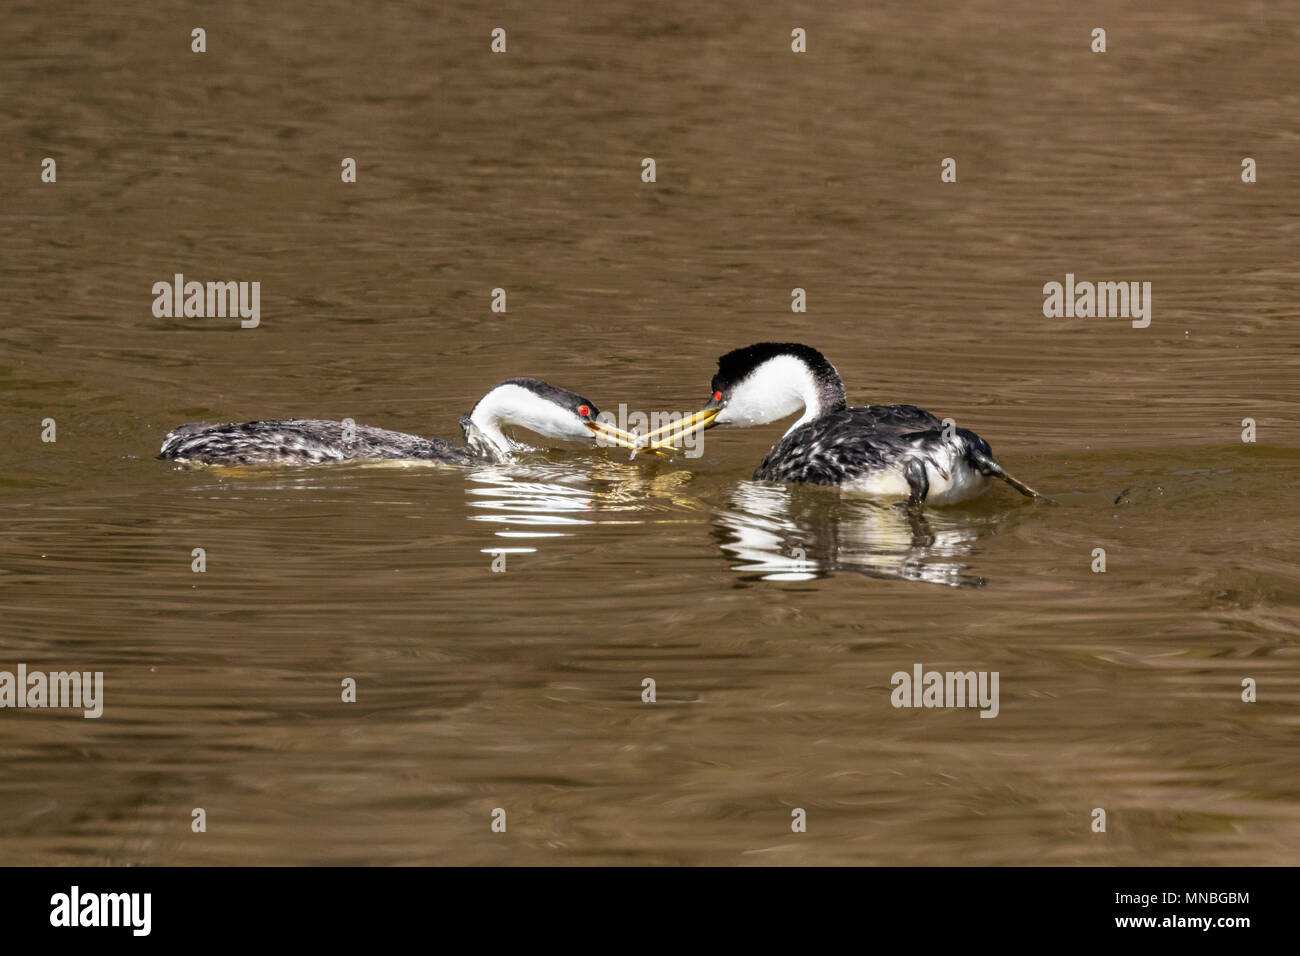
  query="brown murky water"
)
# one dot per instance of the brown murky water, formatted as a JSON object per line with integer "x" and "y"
{"x": 771, "y": 618}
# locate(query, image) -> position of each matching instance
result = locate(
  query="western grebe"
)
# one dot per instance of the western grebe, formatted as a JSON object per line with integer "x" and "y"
{"x": 883, "y": 450}
{"x": 525, "y": 402}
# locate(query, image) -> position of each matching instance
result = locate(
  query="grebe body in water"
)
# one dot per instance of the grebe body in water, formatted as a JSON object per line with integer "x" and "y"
{"x": 526, "y": 402}
{"x": 883, "y": 450}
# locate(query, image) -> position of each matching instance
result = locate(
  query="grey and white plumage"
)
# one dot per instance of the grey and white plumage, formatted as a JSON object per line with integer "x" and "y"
{"x": 866, "y": 446}
{"x": 531, "y": 403}
{"x": 883, "y": 450}
{"x": 303, "y": 441}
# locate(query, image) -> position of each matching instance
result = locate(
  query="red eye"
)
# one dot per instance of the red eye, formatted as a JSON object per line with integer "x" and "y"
{"x": 584, "y": 411}
{"x": 717, "y": 396}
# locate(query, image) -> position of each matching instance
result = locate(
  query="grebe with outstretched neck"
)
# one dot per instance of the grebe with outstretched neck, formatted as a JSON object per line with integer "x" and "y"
{"x": 890, "y": 451}
{"x": 525, "y": 402}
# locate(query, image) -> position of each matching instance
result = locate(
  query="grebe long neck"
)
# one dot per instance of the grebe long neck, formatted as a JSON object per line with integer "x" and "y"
{"x": 822, "y": 393}
{"x": 532, "y": 404}
{"x": 507, "y": 404}
{"x": 783, "y": 385}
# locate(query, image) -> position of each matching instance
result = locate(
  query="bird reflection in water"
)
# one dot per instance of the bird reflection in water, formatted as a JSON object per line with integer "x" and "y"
{"x": 775, "y": 532}
{"x": 766, "y": 531}
{"x": 545, "y": 500}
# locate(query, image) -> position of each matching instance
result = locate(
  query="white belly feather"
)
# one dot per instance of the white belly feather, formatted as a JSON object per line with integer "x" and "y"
{"x": 951, "y": 480}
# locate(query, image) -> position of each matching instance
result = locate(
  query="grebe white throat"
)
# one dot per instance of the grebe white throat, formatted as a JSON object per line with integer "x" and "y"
{"x": 776, "y": 389}
{"x": 511, "y": 404}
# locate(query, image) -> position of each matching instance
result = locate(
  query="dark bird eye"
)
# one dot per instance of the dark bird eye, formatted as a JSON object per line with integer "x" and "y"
{"x": 584, "y": 411}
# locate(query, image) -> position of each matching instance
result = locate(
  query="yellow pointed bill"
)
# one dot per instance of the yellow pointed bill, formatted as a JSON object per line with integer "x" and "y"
{"x": 638, "y": 443}
{"x": 674, "y": 431}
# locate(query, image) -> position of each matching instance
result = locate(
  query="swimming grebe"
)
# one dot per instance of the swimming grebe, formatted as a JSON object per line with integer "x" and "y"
{"x": 883, "y": 450}
{"x": 526, "y": 402}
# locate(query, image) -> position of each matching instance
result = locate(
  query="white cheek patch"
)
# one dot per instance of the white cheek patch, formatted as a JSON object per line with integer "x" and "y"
{"x": 515, "y": 405}
{"x": 778, "y": 388}
{"x": 546, "y": 418}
